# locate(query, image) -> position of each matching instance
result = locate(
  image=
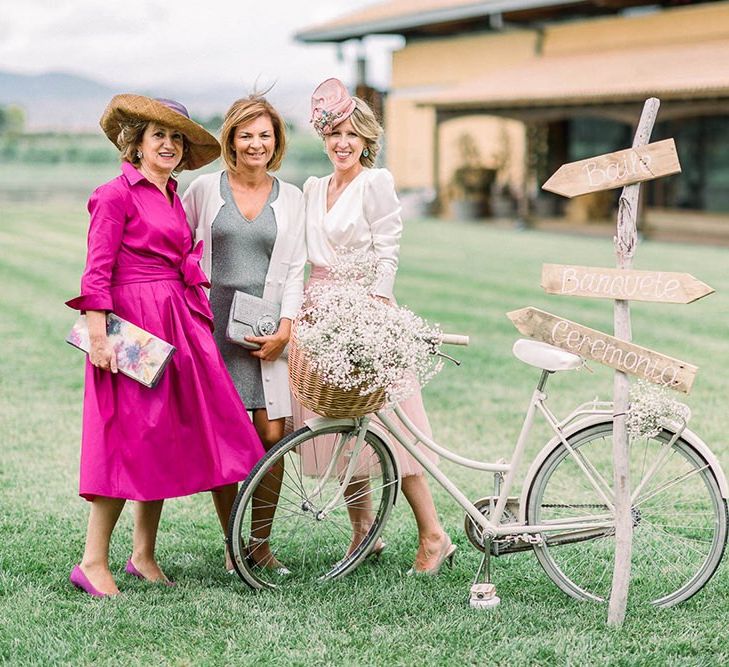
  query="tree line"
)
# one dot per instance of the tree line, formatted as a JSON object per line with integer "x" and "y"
{"x": 12, "y": 120}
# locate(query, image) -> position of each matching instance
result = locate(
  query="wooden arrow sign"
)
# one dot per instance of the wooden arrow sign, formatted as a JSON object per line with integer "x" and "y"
{"x": 598, "y": 346}
{"x": 624, "y": 284}
{"x": 614, "y": 170}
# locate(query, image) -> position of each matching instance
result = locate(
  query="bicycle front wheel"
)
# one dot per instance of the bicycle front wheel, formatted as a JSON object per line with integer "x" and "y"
{"x": 679, "y": 518}
{"x": 292, "y": 521}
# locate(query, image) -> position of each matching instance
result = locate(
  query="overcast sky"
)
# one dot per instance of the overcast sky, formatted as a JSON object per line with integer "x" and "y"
{"x": 161, "y": 42}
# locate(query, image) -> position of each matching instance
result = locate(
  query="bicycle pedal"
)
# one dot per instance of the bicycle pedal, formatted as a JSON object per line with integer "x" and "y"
{"x": 483, "y": 596}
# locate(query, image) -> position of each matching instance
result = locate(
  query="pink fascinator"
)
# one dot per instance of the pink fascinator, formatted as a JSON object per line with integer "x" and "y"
{"x": 331, "y": 104}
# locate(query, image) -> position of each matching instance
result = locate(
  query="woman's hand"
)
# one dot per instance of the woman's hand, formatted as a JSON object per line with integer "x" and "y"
{"x": 272, "y": 346}
{"x": 101, "y": 351}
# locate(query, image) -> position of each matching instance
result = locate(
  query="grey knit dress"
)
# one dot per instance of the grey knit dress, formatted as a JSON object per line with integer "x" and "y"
{"x": 241, "y": 254}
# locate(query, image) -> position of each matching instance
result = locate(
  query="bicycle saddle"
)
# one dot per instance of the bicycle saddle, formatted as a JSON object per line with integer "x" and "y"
{"x": 545, "y": 356}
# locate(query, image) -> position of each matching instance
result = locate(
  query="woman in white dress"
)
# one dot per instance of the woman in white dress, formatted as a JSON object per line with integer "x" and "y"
{"x": 356, "y": 208}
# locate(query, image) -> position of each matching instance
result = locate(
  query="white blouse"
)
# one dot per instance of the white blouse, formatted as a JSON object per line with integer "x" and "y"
{"x": 365, "y": 217}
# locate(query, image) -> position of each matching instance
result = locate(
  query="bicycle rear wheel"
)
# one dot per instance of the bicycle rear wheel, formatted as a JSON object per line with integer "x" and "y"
{"x": 679, "y": 518}
{"x": 308, "y": 527}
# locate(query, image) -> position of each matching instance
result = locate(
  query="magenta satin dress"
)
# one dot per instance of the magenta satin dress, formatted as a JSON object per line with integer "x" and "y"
{"x": 191, "y": 432}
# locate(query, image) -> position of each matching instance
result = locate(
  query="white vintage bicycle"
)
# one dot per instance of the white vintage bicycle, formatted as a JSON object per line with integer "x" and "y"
{"x": 565, "y": 512}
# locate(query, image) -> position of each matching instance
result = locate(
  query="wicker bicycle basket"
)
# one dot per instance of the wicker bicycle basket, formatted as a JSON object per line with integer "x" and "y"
{"x": 326, "y": 399}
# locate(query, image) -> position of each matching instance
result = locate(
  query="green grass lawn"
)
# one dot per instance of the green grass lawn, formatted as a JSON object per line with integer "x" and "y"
{"x": 464, "y": 276}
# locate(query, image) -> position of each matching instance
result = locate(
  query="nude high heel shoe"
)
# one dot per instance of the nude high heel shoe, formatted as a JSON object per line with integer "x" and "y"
{"x": 376, "y": 552}
{"x": 447, "y": 554}
{"x": 270, "y": 564}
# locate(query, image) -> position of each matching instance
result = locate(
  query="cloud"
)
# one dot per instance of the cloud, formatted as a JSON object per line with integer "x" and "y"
{"x": 104, "y": 20}
{"x": 152, "y": 42}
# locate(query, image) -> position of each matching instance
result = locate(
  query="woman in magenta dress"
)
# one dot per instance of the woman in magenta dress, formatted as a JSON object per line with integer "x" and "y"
{"x": 190, "y": 433}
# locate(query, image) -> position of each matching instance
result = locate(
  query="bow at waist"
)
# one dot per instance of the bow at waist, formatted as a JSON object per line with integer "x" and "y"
{"x": 188, "y": 272}
{"x": 195, "y": 279}
{"x": 192, "y": 273}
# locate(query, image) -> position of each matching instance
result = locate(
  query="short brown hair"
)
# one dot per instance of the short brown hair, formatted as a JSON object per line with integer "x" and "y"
{"x": 130, "y": 138}
{"x": 242, "y": 112}
{"x": 365, "y": 124}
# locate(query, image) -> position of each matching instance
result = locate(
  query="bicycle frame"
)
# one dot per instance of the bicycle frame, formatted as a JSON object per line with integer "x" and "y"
{"x": 586, "y": 414}
{"x": 566, "y": 498}
{"x": 491, "y": 528}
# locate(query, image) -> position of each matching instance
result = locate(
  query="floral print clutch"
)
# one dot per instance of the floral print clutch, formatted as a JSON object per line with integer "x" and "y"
{"x": 139, "y": 354}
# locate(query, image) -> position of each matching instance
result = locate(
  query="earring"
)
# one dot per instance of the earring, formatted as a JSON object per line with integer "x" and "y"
{"x": 366, "y": 152}
{"x": 139, "y": 154}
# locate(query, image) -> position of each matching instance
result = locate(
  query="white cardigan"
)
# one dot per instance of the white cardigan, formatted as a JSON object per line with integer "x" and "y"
{"x": 285, "y": 277}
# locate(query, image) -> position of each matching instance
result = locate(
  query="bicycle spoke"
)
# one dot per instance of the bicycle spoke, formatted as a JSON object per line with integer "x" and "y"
{"x": 352, "y": 499}
{"x": 679, "y": 518}
{"x": 673, "y": 559}
{"x": 689, "y": 544}
{"x": 299, "y": 474}
{"x": 669, "y": 484}
{"x": 308, "y": 517}
{"x": 299, "y": 492}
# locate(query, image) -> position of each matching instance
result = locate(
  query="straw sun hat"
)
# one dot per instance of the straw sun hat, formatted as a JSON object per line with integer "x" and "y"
{"x": 203, "y": 146}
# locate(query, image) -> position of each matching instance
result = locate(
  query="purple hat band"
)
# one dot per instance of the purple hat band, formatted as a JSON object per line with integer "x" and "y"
{"x": 175, "y": 106}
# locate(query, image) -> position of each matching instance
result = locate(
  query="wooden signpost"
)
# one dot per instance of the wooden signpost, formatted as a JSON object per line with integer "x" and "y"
{"x": 660, "y": 286}
{"x": 597, "y": 346}
{"x": 626, "y": 169}
{"x": 615, "y": 170}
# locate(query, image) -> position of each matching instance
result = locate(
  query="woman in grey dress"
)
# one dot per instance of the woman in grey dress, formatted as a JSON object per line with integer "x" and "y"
{"x": 252, "y": 226}
{"x": 243, "y": 248}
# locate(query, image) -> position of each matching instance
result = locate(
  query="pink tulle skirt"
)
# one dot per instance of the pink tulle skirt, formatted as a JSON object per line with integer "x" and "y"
{"x": 413, "y": 407}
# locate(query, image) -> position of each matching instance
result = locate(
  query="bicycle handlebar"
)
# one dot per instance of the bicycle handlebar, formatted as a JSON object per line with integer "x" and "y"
{"x": 454, "y": 339}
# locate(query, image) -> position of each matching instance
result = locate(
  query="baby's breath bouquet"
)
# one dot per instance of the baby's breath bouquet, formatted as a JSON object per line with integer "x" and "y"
{"x": 651, "y": 407}
{"x": 356, "y": 341}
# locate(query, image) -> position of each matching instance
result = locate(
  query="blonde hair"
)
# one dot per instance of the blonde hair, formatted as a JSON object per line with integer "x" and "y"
{"x": 366, "y": 125}
{"x": 242, "y": 112}
{"x": 130, "y": 137}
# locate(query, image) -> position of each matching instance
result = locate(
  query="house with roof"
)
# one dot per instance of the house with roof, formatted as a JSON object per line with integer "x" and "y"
{"x": 493, "y": 96}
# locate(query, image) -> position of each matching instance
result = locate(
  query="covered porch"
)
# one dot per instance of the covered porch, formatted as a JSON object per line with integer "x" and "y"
{"x": 584, "y": 104}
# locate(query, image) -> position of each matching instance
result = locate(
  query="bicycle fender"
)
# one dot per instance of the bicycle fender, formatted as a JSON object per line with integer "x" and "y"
{"x": 688, "y": 435}
{"x": 317, "y": 422}
{"x": 702, "y": 448}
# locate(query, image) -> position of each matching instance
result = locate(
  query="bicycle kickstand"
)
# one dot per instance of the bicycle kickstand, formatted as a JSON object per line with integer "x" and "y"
{"x": 483, "y": 593}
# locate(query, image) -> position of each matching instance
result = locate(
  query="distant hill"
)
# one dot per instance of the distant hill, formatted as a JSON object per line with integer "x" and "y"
{"x": 23, "y": 87}
{"x": 63, "y": 101}
{"x": 55, "y": 100}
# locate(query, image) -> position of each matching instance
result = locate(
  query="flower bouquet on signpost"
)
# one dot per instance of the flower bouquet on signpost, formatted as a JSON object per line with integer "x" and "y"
{"x": 651, "y": 408}
{"x": 350, "y": 352}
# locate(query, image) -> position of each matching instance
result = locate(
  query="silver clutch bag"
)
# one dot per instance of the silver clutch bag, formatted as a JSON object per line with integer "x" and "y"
{"x": 251, "y": 316}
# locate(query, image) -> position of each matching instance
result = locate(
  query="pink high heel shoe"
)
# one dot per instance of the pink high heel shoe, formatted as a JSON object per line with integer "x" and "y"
{"x": 81, "y": 581}
{"x": 130, "y": 569}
